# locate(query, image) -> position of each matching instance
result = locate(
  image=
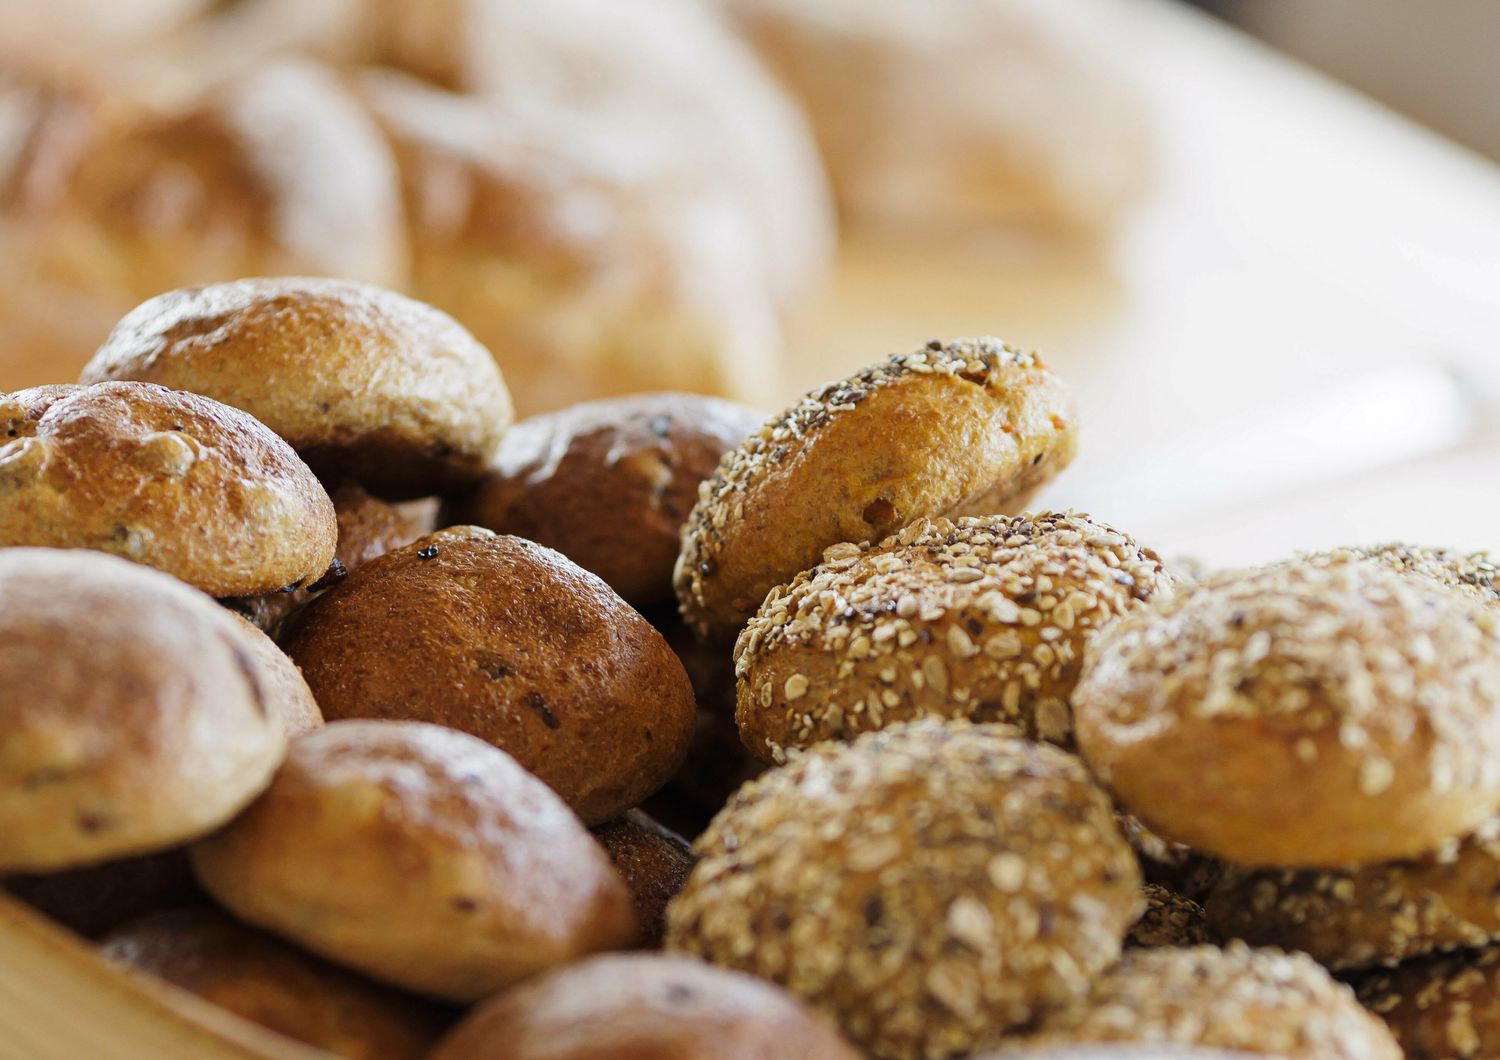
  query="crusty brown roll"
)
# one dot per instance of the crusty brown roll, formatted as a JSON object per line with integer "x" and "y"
{"x": 1373, "y": 914}
{"x": 1440, "y": 1008}
{"x": 1299, "y": 715}
{"x": 1170, "y": 919}
{"x": 277, "y": 985}
{"x": 366, "y": 384}
{"x": 172, "y": 480}
{"x": 133, "y": 715}
{"x": 609, "y": 483}
{"x": 967, "y": 427}
{"x": 584, "y": 280}
{"x": 654, "y": 863}
{"x": 99, "y": 898}
{"x": 606, "y": 1008}
{"x": 931, "y": 885}
{"x": 986, "y": 619}
{"x": 419, "y": 855}
{"x": 509, "y": 641}
{"x": 945, "y": 114}
{"x": 1258, "y": 1001}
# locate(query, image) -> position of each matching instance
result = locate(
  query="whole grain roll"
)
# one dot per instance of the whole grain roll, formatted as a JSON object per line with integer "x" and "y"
{"x": 134, "y": 716}
{"x": 931, "y": 886}
{"x": 654, "y": 862}
{"x": 276, "y": 985}
{"x": 1300, "y": 715}
{"x": 421, "y": 856}
{"x": 985, "y": 618}
{"x": 967, "y": 427}
{"x": 609, "y": 483}
{"x": 611, "y": 1007}
{"x": 1472, "y": 573}
{"x": 366, "y": 384}
{"x": 511, "y": 642}
{"x": 171, "y": 480}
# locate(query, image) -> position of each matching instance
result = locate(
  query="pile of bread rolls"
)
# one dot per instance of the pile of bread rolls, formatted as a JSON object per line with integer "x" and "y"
{"x": 611, "y": 196}
{"x": 340, "y": 700}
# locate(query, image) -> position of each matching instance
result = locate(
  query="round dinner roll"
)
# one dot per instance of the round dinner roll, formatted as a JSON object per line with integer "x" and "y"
{"x": 99, "y": 898}
{"x": 951, "y": 113}
{"x": 1257, "y": 1001}
{"x": 367, "y": 527}
{"x": 134, "y": 717}
{"x": 276, "y": 985}
{"x": 419, "y": 855}
{"x": 609, "y": 483}
{"x": 1169, "y": 920}
{"x": 366, "y": 384}
{"x": 654, "y": 863}
{"x": 1299, "y": 715}
{"x": 607, "y": 1008}
{"x": 168, "y": 479}
{"x": 986, "y": 618}
{"x": 1440, "y": 1008}
{"x": 930, "y": 886}
{"x": 509, "y": 641}
{"x": 1472, "y": 573}
{"x": 1372, "y": 914}
{"x": 967, "y": 427}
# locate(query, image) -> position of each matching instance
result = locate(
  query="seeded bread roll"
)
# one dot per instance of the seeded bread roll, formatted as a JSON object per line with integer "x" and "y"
{"x": 930, "y": 886}
{"x": 457, "y": 872}
{"x": 1440, "y": 1008}
{"x": 276, "y": 985}
{"x": 1471, "y": 573}
{"x": 968, "y": 427}
{"x": 134, "y": 716}
{"x": 654, "y": 863}
{"x": 509, "y": 641}
{"x": 366, "y": 384}
{"x": 99, "y": 898}
{"x": 172, "y": 480}
{"x": 608, "y": 1008}
{"x": 609, "y": 483}
{"x": 986, "y": 619}
{"x": 1374, "y": 914}
{"x": 1169, "y": 920}
{"x": 1258, "y": 1001}
{"x": 1299, "y": 715}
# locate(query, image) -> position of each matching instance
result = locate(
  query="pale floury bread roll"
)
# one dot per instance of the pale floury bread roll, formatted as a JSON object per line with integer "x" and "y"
{"x": 963, "y": 111}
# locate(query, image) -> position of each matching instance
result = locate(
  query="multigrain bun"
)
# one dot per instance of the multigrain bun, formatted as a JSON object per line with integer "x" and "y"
{"x": 509, "y": 641}
{"x": 616, "y": 1007}
{"x": 1472, "y": 573}
{"x": 421, "y": 856}
{"x": 134, "y": 716}
{"x": 172, "y": 480}
{"x": 367, "y": 527}
{"x": 985, "y": 619}
{"x": 1299, "y": 715}
{"x": 968, "y": 427}
{"x": 276, "y": 985}
{"x": 366, "y": 384}
{"x": 1371, "y": 914}
{"x": 1440, "y": 1008}
{"x": 609, "y": 483}
{"x": 99, "y": 898}
{"x": 654, "y": 863}
{"x": 1169, "y": 920}
{"x": 1258, "y": 1001}
{"x": 930, "y": 886}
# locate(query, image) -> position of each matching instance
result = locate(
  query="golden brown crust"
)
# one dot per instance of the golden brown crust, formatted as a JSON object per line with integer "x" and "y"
{"x": 609, "y": 483}
{"x": 364, "y": 383}
{"x": 132, "y": 712}
{"x": 930, "y": 885}
{"x": 654, "y": 863}
{"x": 276, "y": 985}
{"x": 99, "y": 898}
{"x": 458, "y": 872}
{"x": 1373, "y": 914}
{"x": 172, "y": 480}
{"x": 1259, "y": 1001}
{"x": 967, "y": 427}
{"x": 1169, "y": 920}
{"x": 985, "y": 619}
{"x": 509, "y": 641}
{"x": 1329, "y": 715}
{"x": 1440, "y": 1008}
{"x": 643, "y": 1007}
